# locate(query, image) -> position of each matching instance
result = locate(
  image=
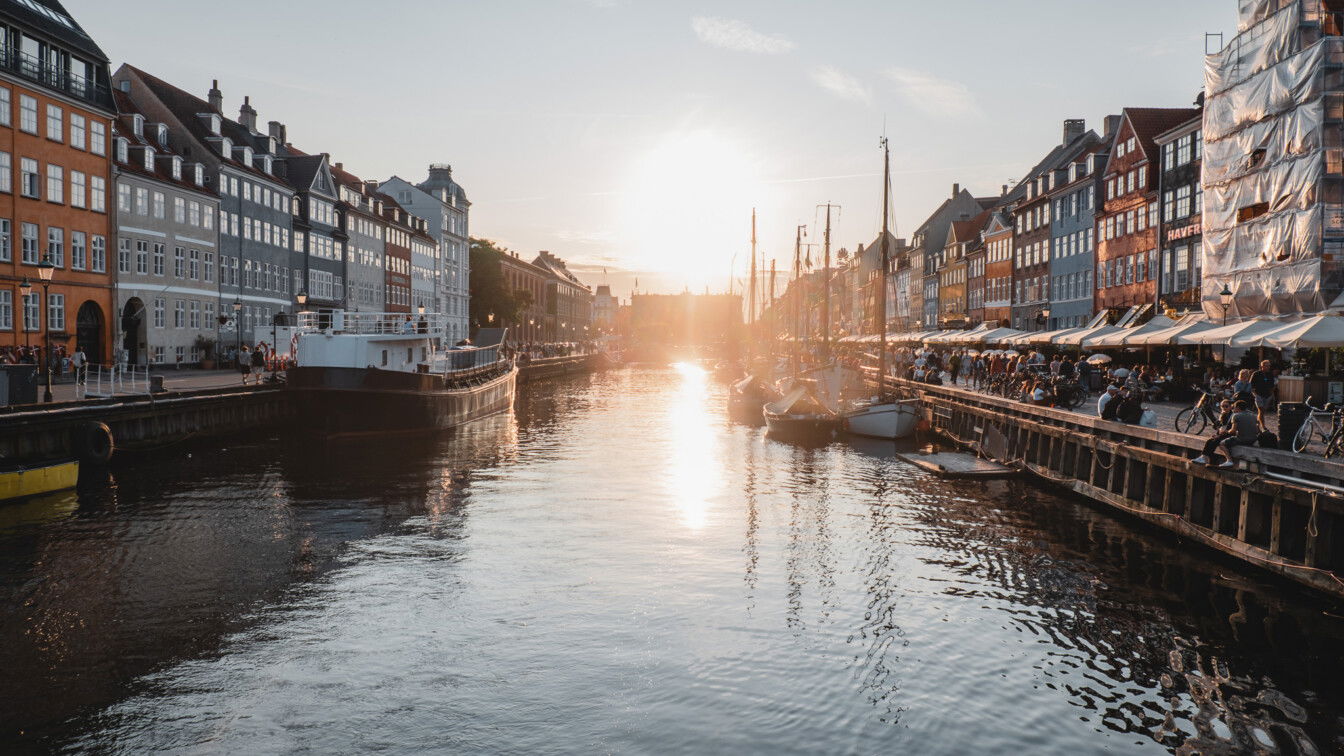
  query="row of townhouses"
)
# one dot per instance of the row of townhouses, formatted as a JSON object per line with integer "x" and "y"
{"x": 161, "y": 225}
{"x": 1233, "y": 206}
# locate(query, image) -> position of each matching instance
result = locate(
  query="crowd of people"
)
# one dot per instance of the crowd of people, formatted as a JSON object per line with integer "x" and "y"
{"x": 63, "y": 361}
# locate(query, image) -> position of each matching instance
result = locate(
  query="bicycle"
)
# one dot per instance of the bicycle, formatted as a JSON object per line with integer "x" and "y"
{"x": 1201, "y": 413}
{"x": 1068, "y": 393}
{"x": 1331, "y": 438}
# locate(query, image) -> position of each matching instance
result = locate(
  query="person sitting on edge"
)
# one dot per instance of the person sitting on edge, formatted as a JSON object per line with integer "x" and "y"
{"x": 1039, "y": 396}
{"x": 1130, "y": 406}
{"x": 1244, "y": 430}
{"x": 1109, "y": 402}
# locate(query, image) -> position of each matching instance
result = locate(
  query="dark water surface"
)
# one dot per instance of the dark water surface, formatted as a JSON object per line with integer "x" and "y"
{"x": 617, "y": 567}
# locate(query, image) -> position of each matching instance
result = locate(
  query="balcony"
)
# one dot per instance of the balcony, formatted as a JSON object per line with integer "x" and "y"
{"x": 54, "y": 77}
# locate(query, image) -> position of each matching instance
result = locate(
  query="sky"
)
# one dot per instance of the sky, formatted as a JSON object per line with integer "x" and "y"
{"x": 635, "y": 138}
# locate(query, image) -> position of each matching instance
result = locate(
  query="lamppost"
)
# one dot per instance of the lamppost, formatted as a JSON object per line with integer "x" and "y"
{"x": 1225, "y": 299}
{"x": 25, "y": 288}
{"x": 45, "y": 269}
{"x": 238, "y": 328}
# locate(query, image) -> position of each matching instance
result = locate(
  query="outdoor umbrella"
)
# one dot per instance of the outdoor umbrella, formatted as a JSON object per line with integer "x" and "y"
{"x": 1231, "y": 335}
{"x": 1099, "y": 359}
{"x": 1320, "y": 331}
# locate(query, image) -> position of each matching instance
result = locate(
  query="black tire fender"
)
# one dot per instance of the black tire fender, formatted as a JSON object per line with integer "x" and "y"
{"x": 95, "y": 443}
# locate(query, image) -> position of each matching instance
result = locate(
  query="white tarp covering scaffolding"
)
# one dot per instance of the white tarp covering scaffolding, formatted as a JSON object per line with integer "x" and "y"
{"x": 1271, "y": 166}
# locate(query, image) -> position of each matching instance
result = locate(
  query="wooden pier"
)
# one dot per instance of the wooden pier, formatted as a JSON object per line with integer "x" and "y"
{"x": 1279, "y": 511}
{"x": 550, "y": 367}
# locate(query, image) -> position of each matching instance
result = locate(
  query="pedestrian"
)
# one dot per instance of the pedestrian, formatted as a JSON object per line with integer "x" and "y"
{"x": 244, "y": 363}
{"x": 79, "y": 363}
{"x": 1244, "y": 430}
{"x": 1262, "y": 387}
{"x": 259, "y": 362}
{"x": 1107, "y": 404}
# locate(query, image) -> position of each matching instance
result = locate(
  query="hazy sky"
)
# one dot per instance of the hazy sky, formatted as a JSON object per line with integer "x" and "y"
{"x": 637, "y": 136}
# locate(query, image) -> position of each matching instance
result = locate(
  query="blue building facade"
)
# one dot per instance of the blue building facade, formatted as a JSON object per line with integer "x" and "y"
{"x": 1073, "y": 238}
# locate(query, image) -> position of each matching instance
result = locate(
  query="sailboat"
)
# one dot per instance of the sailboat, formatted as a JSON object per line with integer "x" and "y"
{"x": 884, "y": 415}
{"x": 800, "y": 415}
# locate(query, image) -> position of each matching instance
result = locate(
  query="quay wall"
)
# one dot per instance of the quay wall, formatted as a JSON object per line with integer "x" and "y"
{"x": 550, "y": 367}
{"x": 35, "y": 433}
{"x": 1280, "y": 512}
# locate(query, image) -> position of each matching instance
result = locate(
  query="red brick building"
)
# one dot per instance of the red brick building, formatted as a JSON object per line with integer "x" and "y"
{"x": 1127, "y": 243}
{"x": 56, "y": 114}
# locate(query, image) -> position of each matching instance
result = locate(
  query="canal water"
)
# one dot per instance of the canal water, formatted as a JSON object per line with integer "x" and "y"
{"x": 619, "y": 567}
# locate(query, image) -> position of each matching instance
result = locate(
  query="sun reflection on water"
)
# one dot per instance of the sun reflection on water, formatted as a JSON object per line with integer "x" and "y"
{"x": 693, "y": 474}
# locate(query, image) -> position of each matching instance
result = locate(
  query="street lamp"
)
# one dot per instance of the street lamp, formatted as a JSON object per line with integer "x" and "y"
{"x": 45, "y": 270}
{"x": 302, "y": 299}
{"x": 25, "y": 288}
{"x": 238, "y": 327}
{"x": 1225, "y": 299}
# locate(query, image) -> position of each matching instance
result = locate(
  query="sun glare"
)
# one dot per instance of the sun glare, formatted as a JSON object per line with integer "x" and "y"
{"x": 695, "y": 475}
{"x": 687, "y": 208}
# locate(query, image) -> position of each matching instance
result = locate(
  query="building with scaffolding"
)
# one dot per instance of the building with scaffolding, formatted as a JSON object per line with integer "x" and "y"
{"x": 1273, "y": 164}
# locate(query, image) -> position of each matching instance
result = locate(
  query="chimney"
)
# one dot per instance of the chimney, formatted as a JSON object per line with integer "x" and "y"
{"x": 277, "y": 130}
{"x": 1003, "y": 192}
{"x": 956, "y": 189}
{"x": 247, "y": 116}
{"x": 216, "y": 97}
{"x": 371, "y": 187}
{"x": 1073, "y": 128}
{"x": 339, "y": 166}
{"x": 1112, "y": 126}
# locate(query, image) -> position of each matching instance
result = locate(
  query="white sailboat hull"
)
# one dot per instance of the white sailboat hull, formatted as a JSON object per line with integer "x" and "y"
{"x": 890, "y": 420}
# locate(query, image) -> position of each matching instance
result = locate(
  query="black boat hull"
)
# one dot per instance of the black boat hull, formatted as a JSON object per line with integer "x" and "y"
{"x": 352, "y": 401}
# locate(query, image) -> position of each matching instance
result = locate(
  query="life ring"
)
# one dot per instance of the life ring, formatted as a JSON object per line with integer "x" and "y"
{"x": 95, "y": 443}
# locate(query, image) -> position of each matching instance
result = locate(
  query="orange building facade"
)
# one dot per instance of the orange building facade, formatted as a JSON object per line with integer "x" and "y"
{"x": 55, "y": 184}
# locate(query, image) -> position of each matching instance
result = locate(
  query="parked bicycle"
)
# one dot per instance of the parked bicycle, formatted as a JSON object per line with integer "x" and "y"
{"x": 1323, "y": 423}
{"x": 1200, "y": 415}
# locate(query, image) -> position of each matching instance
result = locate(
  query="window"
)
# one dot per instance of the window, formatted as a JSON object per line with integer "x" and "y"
{"x": 55, "y": 184}
{"x": 6, "y": 310}
{"x": 98, "y": 194}
{"x": 56, "y": 246}
{"x": 209, "y": 315}
{"x": 159, "y": 201}
{"x": 209, "y": 267}
{"x": 123, "y": 255}
{"x": 158, "y": 355}
{"x": 179, "y": 313}
{"x": 123, "y": 198}
{"x": 56, "y": 312}
{"x": 195, "y": 321}
{"x": 195, "y": 265}
{"x": 5, "y": 106}
{"x": 78, "y": 192}
{"x": 55, "y": 124}
{"x": 31, "y": 311}
{"x": 123, "y": 151}
{"x": 29, "y": 242}
{"x": 179, "y": 210}
{"x": 208, "y": 218}
{"x": 159, "y": 319}
{"x": 28, "y": 177}
{"x": 142, "y": 257}
{"x": 141, "y": 201}
{"x": 77, "y": 131}
{"x": 6, "y": 172}
{"x": 98, "y": 137}
{"x": 159, "y": 259}
{"x": 28, "y": 114}
{"x": 79, "y": 253}
{"x": 99, "y": 247}
{"x": 194, "y": 213}
{"x": 179, "y": 261}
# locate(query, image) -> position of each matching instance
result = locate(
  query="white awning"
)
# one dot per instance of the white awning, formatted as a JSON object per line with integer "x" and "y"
{"x": 1320, "y": 331}
{"x": 1231, "y": 334}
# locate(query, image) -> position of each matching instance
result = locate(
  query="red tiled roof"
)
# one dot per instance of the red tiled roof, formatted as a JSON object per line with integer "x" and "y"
{"x": 1147, "y": 123}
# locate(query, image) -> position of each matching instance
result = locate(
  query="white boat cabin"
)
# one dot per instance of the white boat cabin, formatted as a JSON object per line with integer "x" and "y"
{"x": 394, "y": 341}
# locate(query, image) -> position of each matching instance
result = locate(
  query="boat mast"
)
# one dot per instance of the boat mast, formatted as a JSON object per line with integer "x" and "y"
{"x": 886, "y": 257}
{"x": 751, "y": 286}
{"x": 826, "y": 293}
{"x": 798, "y": 286}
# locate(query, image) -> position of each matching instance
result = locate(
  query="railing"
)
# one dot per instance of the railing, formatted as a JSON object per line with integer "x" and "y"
{"x": 372, "y": 323}
{"x": 56, "y": 77}
{"x": 102, "y": 381}
{"x": 470, "y": 358}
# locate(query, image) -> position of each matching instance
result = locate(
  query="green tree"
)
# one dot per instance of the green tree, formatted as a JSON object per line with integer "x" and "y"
{"x": 490, "y": 294}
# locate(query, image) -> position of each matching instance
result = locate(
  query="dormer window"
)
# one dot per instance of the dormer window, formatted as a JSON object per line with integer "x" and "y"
{"x": 149, "y": 158}
{"x": 226, "y": 148}
{"x": 199, "y": 170}
{"x": 270, "y": 145}
{"x": 247, "y": 156}
{"x": 266, "y": 163}
{"x": 162, "y": 135}
{"x": 138, "y": 124}
{"x": 215, "y": 123}
{"x": 123, "y": 150}
{"x": 177, "y": 168}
